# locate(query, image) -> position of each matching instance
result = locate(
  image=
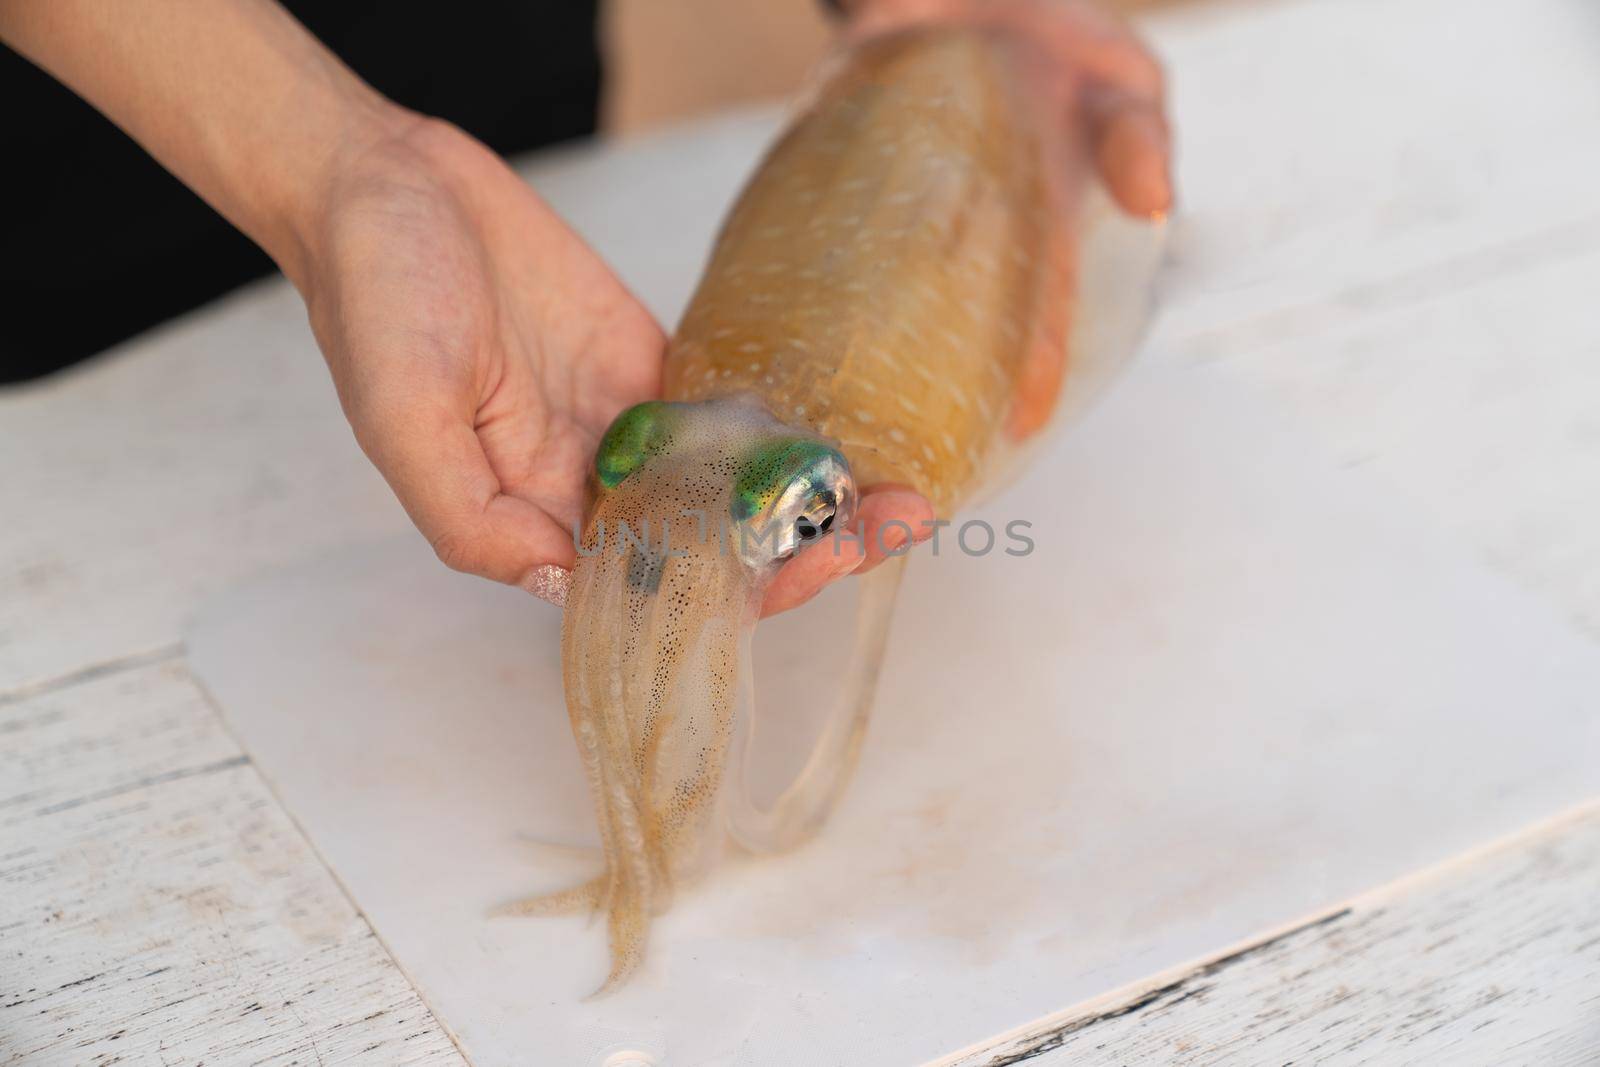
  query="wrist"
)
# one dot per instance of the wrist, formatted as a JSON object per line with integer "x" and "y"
{"x": 286, "y": 200}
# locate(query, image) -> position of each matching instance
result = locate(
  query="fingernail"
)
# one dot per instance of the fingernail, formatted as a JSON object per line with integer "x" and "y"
{"x": 845, "y": 564}
{"x": 548, "y": 582}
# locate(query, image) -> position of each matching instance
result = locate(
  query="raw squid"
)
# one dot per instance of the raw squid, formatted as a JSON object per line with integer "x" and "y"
{"x": 894, "y": 299}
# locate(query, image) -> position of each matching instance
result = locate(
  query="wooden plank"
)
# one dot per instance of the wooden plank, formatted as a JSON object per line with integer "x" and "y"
{"x": 1491, "y": 959}
{"x": 157, "y": 905}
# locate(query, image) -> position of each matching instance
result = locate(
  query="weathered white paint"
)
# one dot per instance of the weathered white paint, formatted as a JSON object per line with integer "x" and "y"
{"x": 158, "y": 906}
{"x": 1491, "y": 959}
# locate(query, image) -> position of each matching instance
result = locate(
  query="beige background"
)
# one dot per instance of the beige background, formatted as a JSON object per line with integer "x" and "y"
{"x": 670, "y": 59}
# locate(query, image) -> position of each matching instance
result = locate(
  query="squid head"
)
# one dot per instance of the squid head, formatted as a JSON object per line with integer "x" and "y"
{"x": 693, "y": 509}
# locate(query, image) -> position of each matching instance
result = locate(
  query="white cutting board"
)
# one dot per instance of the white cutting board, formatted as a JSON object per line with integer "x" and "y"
{"x": 1233, "y": 685}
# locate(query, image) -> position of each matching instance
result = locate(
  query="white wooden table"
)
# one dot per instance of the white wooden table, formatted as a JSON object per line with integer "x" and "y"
{"x": 1388, "y": 229}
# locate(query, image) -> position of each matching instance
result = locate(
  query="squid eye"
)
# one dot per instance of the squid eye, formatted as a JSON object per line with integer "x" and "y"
{"x": 787, "y": 494}
{"x": 816, "y": 520}
{"x": 639, "y": 433}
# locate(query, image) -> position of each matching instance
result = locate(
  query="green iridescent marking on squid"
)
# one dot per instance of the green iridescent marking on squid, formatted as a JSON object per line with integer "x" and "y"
{"x": 637, "y": 434}
{"x": 770, "y": 468}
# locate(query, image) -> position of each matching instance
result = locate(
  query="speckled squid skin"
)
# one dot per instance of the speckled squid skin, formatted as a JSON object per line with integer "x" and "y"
{"x": 894, "y": 281}
{"x": 689, "y": 505}
{"x": 650, "y": 646}
{"x": 897, "y": 276}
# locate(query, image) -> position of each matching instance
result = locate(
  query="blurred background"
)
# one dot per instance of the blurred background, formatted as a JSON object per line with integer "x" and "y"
{"x": 674, "y": 60}
{"x": 678, "y": 59}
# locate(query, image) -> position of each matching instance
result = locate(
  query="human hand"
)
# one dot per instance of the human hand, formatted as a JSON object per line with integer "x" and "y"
{"x": 480, "y": 350}
{"x": 1097, "y": 73}
{"x": 1104, "y": 77}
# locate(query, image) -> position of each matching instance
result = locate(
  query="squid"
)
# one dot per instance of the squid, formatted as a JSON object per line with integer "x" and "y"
{"x": 894, "y": 299}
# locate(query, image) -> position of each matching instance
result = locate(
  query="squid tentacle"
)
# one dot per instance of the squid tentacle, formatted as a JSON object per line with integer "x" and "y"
{"x": 802, "y": 808}
{"x": 653, "y": 639}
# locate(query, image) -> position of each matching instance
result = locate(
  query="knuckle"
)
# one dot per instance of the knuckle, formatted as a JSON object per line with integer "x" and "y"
{"x": 1145, "y": 73}
{"x": 458, "y": 549}
{"x": 369, "y": 436}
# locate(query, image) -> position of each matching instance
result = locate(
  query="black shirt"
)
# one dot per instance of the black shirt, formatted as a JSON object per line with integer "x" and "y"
{"x": 99, "y": 242}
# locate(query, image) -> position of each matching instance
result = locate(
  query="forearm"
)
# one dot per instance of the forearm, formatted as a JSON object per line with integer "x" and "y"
{"x": 233, "y": 96}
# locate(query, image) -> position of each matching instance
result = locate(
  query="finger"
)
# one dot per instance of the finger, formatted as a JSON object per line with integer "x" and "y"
{"x": 889, "y": 519}
{"x": 1132, "y": 152}
{"x": 814, "y": 569}
{"x": 1099, "y": 46}
{"x": 433, "y": 460}
{"x": 1122, "y": 89}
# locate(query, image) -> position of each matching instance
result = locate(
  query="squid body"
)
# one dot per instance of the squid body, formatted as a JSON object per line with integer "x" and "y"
{"x": 895, "y": 298}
